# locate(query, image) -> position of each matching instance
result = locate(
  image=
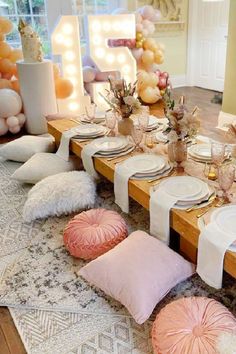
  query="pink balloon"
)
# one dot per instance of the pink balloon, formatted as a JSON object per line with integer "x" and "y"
{"x": 165, "y": 74}
{"x": 147, "y": 12}
{"x": 156, "y": 16}
{"x": 137, "y": 53}
{"x": 162, "y": 83}
{"x": 87, "y": 61}
{"x": 158, "y": 72}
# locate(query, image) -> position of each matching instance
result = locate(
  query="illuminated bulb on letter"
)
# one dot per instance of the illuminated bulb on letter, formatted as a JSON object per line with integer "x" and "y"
{"x": 100, "y": 52}
{"x": 68, "y": 42}
{"x": 73, "y": 106}
{"x": 110, "y": 58}
{"x": 121, "y": 58}
{"x": 106, "y": 26}
{"x": 67, "y": 28}
{"x": 126, "y": 69}
{"x": 69, "y": 55}
{"x": 97, "y": 40}
{"x": 59, "y": 38}
{"x": 74, "y": 81}
{"x": 71, "y": 69}
{"x": 116, "y": 26}
{"x": 96, "y": 26}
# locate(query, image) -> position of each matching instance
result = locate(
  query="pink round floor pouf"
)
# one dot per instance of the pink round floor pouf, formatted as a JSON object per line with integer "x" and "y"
{"x": 92, "y": 233}
{"x": 191, "y": 326}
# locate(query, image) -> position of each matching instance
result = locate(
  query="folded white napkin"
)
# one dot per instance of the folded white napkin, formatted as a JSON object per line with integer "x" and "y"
{"x": 159, "y": 207}
{"x": 64, "y": 148}
{"x": 121, "y": 185}
{"x": 87, "y": 157}
{"x": 212, "y": 245}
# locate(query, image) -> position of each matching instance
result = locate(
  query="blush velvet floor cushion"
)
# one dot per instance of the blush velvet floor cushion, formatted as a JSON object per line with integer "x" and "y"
{"x": 191, "y": 326}
{"x": 94, "y": 232}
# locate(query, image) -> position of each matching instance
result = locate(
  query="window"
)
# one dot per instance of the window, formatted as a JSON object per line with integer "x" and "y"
{"x": 33, "y": 12}
{"x": 89, "y": 7}
{"x": 42, "y": 15}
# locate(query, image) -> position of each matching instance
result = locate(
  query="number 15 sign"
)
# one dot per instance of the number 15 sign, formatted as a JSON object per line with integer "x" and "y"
{"x": 101, "y": 28}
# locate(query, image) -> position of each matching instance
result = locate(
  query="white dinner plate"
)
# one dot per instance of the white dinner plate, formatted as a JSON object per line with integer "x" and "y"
{"x": 145, "y": 163}
{"x": 183, "y": 187}
{"x": 161, "y": 137}
{"x": 225, "y": 218}
{"x": 201, "y": 151}
{"x": 201, "y": 225}
{"x": 89, "y": 129}
{"x": 110, "y": 144}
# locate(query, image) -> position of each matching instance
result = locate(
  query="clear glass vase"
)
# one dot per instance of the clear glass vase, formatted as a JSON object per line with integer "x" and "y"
{"x": 177, "y": 153}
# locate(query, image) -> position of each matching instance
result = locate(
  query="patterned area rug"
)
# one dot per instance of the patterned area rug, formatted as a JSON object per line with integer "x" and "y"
{"x": 38, "y": 274}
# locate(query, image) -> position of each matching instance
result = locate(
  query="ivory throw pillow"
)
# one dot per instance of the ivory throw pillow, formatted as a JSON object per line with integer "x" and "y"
{"x": 138, "y": 272}
{"x": 24, "y": 148}
{"x": 63, "y": 193}
{"x": 42, "y": 165}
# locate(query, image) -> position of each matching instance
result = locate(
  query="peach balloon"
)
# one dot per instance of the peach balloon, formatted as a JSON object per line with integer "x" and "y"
{"x": 5, "y": 84}
{"x": 147, "y": 12}
{"x": 5, "y": 66}
{"x": 5, "y": 50}
{"x": 14, "y": 71}
{"x": 153, "y": 79}
{"x": 3, "y": 126}
{"x": 150, "y": 43}
{"x": 148, "y": 57}
{"x": 150, "y": 95}
{"x": 143, "y": 79}
{"x": 2, "y": 37}
{"x": 145, "y": 32}
{"x": 15, "y": 85}
{"x": 159, "y": 59}
{"x": 64, "y": 88}
{"x": 15, "y": 55}
{"x": 7, "y": 76}
{"x": 6, "y": 25}
{"x": 139, "y": 27}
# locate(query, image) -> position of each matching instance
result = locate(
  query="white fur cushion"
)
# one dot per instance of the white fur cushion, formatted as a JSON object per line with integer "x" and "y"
{"x": 24, "y": 148}
{"x": 42, "y": 165}
{"x": 64, "y": 193}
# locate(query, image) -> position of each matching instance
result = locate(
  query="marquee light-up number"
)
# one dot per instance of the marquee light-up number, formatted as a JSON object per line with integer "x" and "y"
{"x": 101, "y": 28}
{"x": 66, "y": 42}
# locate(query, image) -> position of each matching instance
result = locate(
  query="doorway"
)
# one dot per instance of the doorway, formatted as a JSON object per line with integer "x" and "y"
{"x": 207, "y": 43}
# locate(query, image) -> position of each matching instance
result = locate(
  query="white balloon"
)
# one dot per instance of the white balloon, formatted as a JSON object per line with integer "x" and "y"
{"x": 139, "y": 27}
{"x": 21, "y": 118}
{"x": 12, "y": 121}
{"x": 137, "y": 53}
{"x": 15, "y": 129}
{"x": 145, "y": 33}
{"x": 156, "y": 16}
{"x": 10, "y": 103}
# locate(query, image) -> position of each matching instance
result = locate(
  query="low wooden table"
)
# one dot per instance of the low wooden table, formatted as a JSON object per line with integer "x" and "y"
{"x": 185, "y": 224}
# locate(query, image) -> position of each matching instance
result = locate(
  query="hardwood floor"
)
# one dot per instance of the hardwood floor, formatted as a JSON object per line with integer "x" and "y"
{"x": 10, "y": 342}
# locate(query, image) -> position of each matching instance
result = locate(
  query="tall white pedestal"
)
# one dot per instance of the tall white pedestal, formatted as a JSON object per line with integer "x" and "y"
{"x": 38, "y": 94}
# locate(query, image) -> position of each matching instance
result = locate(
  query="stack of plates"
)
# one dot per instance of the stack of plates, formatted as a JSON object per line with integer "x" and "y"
{"x": 153, "y": 123}
{"x": 200, "y": 152}
{"x": 225, "y": 219}
{"x": 89, "y": 131}
{"x": 99, "y": 118}
{"x": 188, "y": 190}
{"x": 112, "y": 146}
{"x": 160, "y": 137}
{"x": 149, "y": 166}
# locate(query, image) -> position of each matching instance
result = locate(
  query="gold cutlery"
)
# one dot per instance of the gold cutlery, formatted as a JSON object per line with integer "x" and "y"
{"x": 210, "y": 199}
{"x": 119, "y": 157}
{"x": 171, "y": 173}
{"x": 219, "y": 204}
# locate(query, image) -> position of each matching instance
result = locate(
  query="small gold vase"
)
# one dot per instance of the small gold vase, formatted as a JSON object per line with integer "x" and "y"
{"x": 125, "y": 126}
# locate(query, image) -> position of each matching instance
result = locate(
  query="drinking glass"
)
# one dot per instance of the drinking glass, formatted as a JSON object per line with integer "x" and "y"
{"x": 150, "y": 141}
{"x": 226, "y": 176}
{"x": 137, "y": 136}
{"x": 111, "y": 120}
{"x": 90, "y": 112}
{"x": 143, "y": 118}
{"x": 217, "y": 153}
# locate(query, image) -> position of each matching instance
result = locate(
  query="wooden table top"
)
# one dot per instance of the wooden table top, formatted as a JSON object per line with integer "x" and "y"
{"x": 182, "y": 222}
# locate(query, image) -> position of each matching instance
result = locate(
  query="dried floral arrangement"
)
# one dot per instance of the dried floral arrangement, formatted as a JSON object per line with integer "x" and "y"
{"x": 122, "y": 98}
{"x": 182, "y": 123}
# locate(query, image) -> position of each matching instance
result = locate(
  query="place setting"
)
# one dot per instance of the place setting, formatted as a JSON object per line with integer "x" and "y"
{"x": 179, "y": 192}
{"x": 106, "y": 147}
